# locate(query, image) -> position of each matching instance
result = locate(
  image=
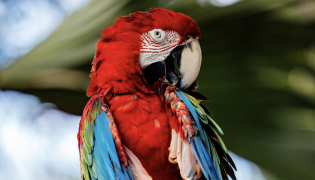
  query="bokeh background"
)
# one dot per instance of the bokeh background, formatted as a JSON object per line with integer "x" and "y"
{"x": 258, "y": 70}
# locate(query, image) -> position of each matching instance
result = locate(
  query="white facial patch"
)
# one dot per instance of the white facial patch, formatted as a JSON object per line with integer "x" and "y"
{"x": 156, "y": 46}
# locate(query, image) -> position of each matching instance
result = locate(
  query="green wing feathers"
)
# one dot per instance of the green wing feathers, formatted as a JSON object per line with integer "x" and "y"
{"x": 88, "y": 163}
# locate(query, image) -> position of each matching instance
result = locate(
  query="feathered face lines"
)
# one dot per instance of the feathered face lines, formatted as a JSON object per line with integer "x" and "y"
{"x": 156, "y": 45}
{"x": 166, "y": 41}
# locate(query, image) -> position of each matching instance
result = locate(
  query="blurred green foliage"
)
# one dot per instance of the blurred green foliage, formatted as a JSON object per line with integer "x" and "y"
{"x": 258, "y": 71}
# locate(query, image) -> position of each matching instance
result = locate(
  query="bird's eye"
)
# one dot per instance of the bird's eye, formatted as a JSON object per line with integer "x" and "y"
{"x": 157, "y": 34}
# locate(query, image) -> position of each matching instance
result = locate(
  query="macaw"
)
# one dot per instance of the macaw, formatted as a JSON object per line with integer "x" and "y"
{"x": 143, "y": 121}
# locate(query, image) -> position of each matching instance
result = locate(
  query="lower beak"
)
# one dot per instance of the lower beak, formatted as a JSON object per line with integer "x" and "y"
{"x": 188, "y": 60}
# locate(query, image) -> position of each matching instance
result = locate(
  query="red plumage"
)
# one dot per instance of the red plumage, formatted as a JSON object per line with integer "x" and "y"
{"x": 141, "y": 117}
{"x": 116, "y": 61}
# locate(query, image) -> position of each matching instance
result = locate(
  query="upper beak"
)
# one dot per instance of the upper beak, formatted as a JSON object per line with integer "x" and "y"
{"x": 190, "y": 64}
{"x": 188, "y": 60}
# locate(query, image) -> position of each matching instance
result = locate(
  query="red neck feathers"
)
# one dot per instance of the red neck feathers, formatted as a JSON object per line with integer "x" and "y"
{"x": 116, "y": 61}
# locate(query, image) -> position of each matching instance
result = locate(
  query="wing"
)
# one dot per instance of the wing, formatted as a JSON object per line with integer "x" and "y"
{"x": 99, "y": 144}
{"x": 197, "y": 141}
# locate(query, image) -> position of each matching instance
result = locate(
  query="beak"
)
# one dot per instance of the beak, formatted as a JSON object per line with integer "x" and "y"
{"x": 188, "y": 60}
{"x": 189, "y": 64}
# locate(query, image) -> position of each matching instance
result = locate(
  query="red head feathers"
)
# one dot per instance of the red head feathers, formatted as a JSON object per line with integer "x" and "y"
{"x": 116, "y": 61}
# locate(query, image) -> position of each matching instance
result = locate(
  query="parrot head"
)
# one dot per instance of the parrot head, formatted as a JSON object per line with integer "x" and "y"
{"x": 144, "y": 47}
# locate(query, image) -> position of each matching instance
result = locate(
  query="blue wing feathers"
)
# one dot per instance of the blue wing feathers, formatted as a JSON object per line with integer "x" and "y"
{"x": 125, "y": 173}
{"x": 104, "y": 143}
{"x": 101, "y": 174}
{"x": 108, "y": 138}
{"x": 206, "y": 159}
{"x": 193, "y": 147}
{"x": 103, "y": 161}
{"x": 129, "y": 173}
{"x": 106, "y": 164}
{"x": 210, "y": 163}
{"x": 109, "y": 144}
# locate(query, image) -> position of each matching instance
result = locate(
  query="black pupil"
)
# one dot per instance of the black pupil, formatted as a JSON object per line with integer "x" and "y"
{"x": 157, "y": 33}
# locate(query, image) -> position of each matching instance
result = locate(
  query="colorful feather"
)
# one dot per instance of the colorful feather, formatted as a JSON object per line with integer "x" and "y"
{"x": 205, "y": 142}
{"x": 143, "y": 118}
{"x": 99, "y": 155}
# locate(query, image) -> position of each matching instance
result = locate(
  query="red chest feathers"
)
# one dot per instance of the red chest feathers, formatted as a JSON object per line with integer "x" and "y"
{"x": 143, "y": 127}
{"x": 141, "y": 121}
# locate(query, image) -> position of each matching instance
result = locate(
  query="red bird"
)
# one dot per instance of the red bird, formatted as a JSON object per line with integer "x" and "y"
{"x": 143, "y": 121}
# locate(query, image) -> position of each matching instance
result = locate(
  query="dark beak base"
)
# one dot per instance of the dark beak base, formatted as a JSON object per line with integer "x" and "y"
{"x": 165, "y": 70}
